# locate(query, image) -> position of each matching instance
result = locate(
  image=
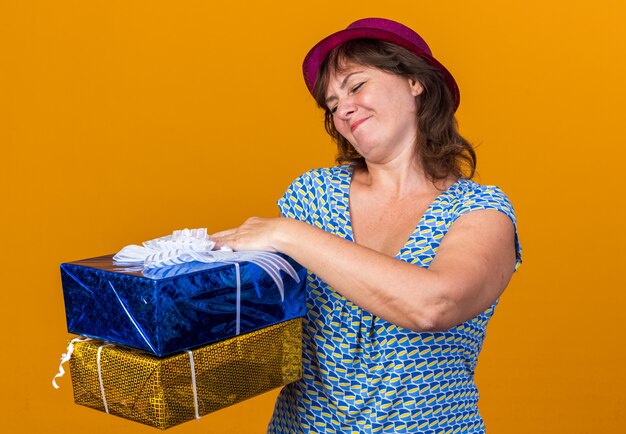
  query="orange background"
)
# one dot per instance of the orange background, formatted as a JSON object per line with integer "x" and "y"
{"x": 122, "y": 121}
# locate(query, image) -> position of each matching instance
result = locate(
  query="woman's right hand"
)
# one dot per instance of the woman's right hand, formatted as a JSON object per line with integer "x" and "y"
{"x": 256, "y": 233}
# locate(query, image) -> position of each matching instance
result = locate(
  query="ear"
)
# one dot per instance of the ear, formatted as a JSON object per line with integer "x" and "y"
{"x": 416, "y": 87}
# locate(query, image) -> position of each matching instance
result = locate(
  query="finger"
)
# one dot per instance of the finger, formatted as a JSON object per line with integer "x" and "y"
{"x": 219, "y": 246}
{"x": 222, "y": 234}
{"x": 253, "y": 219}
{"x": 227, "y": 242}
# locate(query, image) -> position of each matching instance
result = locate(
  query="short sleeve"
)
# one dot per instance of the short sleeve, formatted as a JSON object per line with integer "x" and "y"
{"x": 489, "y": 197}
{"x": 295, "y": 202}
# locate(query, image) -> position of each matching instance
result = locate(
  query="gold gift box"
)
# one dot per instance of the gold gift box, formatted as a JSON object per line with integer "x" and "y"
{"x": 159, "y": 391}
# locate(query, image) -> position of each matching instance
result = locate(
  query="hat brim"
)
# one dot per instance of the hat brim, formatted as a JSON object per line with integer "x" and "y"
{"x": 316, "y": 56}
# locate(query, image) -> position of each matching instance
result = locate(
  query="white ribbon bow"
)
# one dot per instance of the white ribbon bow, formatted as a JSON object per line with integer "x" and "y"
{"x": 188, "y": 245}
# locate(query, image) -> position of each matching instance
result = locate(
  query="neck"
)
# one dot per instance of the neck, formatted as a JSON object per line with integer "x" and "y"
{"x": 399, "y": 177}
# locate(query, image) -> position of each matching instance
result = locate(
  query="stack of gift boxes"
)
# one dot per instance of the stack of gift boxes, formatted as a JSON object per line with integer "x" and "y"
{"x": 166, "y": 345}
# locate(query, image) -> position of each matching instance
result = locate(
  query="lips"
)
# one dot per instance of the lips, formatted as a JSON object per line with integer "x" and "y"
{"x": 356, "y": 124}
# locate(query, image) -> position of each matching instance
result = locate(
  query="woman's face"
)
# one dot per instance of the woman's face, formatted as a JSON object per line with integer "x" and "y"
{"x": 375, "y": 111}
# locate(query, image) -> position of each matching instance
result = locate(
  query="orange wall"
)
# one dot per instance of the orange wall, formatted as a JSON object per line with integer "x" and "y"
{"x": 123, "y": 120}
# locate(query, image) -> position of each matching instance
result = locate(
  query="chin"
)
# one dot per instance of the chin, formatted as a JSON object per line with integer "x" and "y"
{"x": 364, "y": 150}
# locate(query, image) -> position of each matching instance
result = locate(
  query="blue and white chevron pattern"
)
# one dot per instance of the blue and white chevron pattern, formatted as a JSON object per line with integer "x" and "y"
{"x": 363, "y": 374}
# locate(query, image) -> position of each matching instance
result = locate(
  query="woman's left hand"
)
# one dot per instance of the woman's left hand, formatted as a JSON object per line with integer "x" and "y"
{"x": 256, "y": 233}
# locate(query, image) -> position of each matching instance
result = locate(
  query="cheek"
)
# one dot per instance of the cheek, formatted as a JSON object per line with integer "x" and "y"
{"x": 345, "y": 132}
{"x": 341, "y": 127}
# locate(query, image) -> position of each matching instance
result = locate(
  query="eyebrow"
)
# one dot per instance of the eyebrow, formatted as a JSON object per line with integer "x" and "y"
{"x": 342, "y": 85}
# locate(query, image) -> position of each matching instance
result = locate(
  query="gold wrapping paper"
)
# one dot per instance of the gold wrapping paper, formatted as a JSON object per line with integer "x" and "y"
{"x": 159, "y": 392}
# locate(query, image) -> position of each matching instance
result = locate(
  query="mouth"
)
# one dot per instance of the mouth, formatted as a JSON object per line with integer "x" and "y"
{"x": 356, "y": 124}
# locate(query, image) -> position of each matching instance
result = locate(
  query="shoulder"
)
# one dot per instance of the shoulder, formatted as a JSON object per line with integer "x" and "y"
{"x": 329, "y": 173}
{"x": 313, "y": 189}
{"x": 320, "y": 177}
{"x": 466, "y": 196}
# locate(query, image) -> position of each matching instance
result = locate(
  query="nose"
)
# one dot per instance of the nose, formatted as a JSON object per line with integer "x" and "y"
{"x": 345, "y": 109}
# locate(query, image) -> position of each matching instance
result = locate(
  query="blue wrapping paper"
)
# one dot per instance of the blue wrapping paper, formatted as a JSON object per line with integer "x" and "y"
{"x": 171, "y": 309}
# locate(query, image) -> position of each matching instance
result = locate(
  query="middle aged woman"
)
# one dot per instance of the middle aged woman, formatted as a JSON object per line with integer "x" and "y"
{"x": 407, "y": 256}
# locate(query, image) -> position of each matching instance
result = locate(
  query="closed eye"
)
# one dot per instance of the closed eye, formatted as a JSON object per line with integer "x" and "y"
{"x": 354, "y": 89}
{"x": 357, "y": 87}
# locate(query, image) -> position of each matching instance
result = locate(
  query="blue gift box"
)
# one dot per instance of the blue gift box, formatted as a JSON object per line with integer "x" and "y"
{"x": 171, "y": 309}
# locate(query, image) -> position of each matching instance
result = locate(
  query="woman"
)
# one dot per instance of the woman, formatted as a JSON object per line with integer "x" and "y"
{"x": 407, "y": 256}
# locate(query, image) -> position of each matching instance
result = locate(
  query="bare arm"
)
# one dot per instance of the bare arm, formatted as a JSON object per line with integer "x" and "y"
{"x": 472, "y": 267}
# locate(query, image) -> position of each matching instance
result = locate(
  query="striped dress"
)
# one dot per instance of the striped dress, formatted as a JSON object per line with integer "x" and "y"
{"x": 362, "y": 374}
